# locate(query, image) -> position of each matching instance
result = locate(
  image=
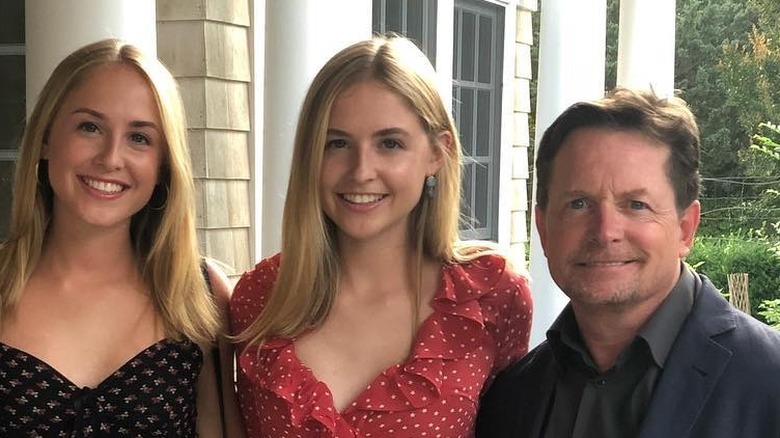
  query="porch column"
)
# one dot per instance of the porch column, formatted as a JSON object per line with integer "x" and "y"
{"x": 646, "y": 45}
{"x": 572, "y": 46}
{"x": 300, "y": 36}
{"x": 56, "y": 28}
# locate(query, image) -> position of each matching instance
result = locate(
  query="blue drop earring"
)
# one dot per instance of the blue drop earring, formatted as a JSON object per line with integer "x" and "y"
{"x": 430, "y": 185}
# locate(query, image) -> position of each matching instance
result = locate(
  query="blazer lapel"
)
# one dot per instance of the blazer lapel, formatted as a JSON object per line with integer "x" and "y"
{"x": 692, "y": 369}
{"x": 545, "y": 388}
{"x": 534, "y": 403}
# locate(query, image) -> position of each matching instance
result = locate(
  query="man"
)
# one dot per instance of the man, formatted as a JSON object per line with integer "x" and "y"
{"x": 646, "y": 347}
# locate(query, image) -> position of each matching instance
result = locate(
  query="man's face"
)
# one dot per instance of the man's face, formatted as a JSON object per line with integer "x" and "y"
{"x": 611, "y": 232}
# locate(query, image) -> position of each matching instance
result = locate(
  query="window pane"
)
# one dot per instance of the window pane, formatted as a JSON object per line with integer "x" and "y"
{"x": 484, "y": 125}
{"x": 12, "y": 100}
{"x": 12, "y": 22}
{"x": 467, "y": 193}
{"x": 376, "y": 17}
{"x": 414, "y": 21}
{"x": 466, "y": 126}
{"x": 394, "y": 20}
{"x": 485, "y": 49}
{"x": 482, "y": 194}
{"x": 467, "y": 37}
{"x": 430, "y": 33}
{"x": 6, "y": 180}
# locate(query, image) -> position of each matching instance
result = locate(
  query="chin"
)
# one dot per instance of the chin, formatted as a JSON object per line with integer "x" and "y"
{"x": 603, "y": 295}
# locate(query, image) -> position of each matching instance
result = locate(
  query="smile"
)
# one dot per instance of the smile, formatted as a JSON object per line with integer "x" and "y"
{"x": 103, "y": 186}
{"x": 605, "y": 264}
{"x": 361, "y": 198}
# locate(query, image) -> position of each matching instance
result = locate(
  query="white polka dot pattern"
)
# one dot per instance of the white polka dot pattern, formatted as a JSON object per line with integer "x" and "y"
{"x": 480, "y": 323}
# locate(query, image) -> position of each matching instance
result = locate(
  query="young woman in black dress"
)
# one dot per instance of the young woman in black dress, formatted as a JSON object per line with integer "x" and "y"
{"x": 106, "y": 322}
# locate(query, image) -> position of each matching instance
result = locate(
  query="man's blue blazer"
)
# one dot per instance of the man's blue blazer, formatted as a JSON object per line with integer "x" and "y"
{"x": 721, "y": 379}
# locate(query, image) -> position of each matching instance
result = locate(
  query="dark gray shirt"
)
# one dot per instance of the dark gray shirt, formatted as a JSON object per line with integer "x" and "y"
{"x": 587, "y": 403}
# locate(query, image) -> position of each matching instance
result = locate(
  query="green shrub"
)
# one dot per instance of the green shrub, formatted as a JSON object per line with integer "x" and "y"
{"x": 716, "y": 257}
{"x": 770, "y": 311}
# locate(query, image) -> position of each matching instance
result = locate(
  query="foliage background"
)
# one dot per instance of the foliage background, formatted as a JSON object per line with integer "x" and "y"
{"x": 718, "y": 256}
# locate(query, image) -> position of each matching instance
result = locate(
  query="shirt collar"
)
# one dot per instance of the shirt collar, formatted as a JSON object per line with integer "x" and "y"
{"x": 660, "y": 331}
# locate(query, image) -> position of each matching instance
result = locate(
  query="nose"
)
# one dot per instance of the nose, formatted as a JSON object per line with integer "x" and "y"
{"x": 363, "y": 164}
{"x": 110, "y": 155}
{"x": 608, "y": 223}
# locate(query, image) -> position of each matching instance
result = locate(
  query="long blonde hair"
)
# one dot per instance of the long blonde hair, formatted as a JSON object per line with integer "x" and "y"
{"x": 306, "y": 285}
{"x": 164, "y": 238}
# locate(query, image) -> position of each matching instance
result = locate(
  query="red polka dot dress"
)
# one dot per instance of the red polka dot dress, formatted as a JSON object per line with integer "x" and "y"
{"x": 480, "y": 323}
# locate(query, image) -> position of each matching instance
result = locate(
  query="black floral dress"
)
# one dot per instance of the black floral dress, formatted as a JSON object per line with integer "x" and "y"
{"x": 151, "y": 395}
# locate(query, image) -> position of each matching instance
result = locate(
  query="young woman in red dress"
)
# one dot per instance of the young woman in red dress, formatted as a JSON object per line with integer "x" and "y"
{"x": 375, "y": 319}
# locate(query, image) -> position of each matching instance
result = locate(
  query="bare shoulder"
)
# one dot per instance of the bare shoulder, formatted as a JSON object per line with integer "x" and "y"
{"x": 221, "y": 285}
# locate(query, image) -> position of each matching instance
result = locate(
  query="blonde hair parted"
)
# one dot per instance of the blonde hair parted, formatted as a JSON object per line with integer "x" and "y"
{"x": 306, "y": 284}
{"x": 164, "y": 238}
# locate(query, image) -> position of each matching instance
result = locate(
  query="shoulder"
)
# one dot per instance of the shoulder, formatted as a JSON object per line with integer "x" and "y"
{"x": 219, "y": 284}
{"x": 263, "y": 272}
{"x": 490, "y": 279}
{"x": 517, "y": 395}
{"x": 758, "y": 340}
{"x": 748, "y": 333}
{"x": 487, "y": 271}
{"x": 527, "y": 379}
{"x": 529, "y": 369}
{"x": 502, "y": 294}
{"x": 752, "y": 347}
{"x": 252, "y": 291}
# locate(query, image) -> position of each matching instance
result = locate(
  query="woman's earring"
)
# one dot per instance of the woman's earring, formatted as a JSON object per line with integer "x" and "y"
{"x": 430, "y": 185}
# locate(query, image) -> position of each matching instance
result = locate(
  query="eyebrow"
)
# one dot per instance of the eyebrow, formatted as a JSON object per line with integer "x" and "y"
{"x": 637, "y": 193}
{"x": 381, "y": 133}
{"x": 101, "y": 116}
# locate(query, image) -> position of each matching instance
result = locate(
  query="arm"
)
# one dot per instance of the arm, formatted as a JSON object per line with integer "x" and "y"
{"x": 208, "y": 396}
{"x": 512, "y": 328}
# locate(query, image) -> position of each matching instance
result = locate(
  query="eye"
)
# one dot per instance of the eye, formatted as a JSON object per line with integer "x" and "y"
{"x": 88, "y": 127}
{"x": 637, "y": 205}
{"x": 390, "y": 143}
{"x": 336, "y": 143}
{"x": 578, "y": 204}
{"x": 139, "y": 138}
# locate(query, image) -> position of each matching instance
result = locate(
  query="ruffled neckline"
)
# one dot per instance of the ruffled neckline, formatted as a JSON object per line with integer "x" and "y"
{"x": 408, "y": 386}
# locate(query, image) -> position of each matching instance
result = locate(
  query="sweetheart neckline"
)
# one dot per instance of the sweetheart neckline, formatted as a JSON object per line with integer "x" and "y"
{"x": 108, "y": 378}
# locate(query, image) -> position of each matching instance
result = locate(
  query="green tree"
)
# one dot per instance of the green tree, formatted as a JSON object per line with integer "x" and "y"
{"x": 750, "y": 73}
{"x": 767, "y": 142}
{"x": 704, "y": 28}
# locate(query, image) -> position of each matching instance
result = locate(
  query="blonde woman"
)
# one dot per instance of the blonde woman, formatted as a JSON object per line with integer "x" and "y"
{"x": 375, "y": 320}
{"x": 106, "y": 322}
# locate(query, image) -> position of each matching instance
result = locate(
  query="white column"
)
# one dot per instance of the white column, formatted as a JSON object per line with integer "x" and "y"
{"x": 300, "y": 36}
{"x": 646, "y": 45}
{"x": 572, "y": 47}
{"x": 445, "y": 35}
{"x": 53, "y": 29}
{"x": 257, "y": 48}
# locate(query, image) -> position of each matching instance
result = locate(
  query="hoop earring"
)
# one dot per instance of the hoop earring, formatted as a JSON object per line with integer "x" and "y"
{"x": 157, "y": 194}
{"x": 430, "y": 185}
